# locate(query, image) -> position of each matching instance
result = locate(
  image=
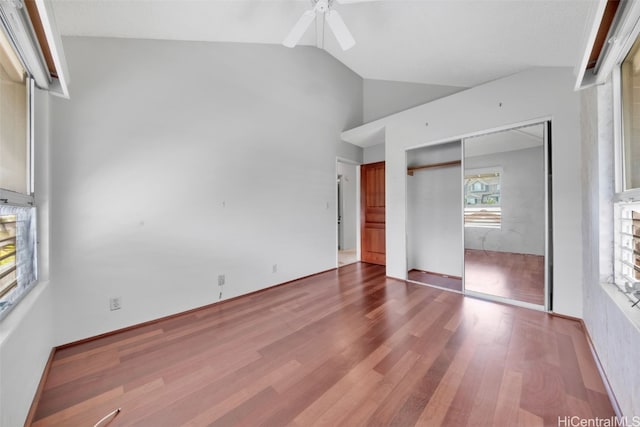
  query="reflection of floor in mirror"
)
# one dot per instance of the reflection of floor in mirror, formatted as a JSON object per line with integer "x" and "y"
{"x": 505, "y": 274}
{"x": 348, "y": 256}
{"x": 436, "y": 279}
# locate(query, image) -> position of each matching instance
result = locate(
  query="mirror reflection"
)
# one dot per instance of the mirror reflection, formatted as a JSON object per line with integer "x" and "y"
{"x": 434, "y": 212}
{"x": 504, "y": 214}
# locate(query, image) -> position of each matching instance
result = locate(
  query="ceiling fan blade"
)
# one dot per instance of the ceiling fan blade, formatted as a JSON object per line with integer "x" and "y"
{"x": 340, "y": 30}
{"x": 299, "y": 29}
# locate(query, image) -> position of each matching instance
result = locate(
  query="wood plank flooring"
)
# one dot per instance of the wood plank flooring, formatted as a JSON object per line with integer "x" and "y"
{"x": 347, "y": 347}
{"x": 505, "y": 274}
{"x": 429, "y": 278}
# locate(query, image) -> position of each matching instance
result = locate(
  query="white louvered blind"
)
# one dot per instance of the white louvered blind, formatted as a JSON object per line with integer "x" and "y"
{"x": 17, "y": 254}
{"x": 627, "y": 251}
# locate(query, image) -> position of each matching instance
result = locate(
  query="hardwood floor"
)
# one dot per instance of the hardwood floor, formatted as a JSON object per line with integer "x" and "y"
{"x": 515, "y": 276}
{"x": 347, "y": 347}
{"x": 429, "y": 278}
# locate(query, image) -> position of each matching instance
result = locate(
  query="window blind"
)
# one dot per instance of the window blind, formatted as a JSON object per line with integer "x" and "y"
{"x": 627, "y": 250}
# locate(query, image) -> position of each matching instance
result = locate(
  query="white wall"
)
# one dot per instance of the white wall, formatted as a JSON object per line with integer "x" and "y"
{"x": 522, "y": 200}
{"x": 350, "y": 152}
{"x": 613, "y": 325}
{"x": 434, "y": 211}
{"x": 374, "y": 154}
{"x": 175, "y": 162}
{"x": 382, "y": 97}
{"x": 26, "y": 334}
{"x": 350, "y": 204}
{"x": 532, "y": 95}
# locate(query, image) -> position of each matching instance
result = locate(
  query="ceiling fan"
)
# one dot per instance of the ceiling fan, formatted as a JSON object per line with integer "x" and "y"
{"x": 322, "y": 9}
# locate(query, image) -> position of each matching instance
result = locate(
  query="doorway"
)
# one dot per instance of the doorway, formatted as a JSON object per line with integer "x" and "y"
{"x": 347, "y": 212}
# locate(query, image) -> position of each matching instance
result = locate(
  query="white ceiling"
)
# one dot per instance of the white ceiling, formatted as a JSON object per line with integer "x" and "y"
{"x": 447, "y": 42}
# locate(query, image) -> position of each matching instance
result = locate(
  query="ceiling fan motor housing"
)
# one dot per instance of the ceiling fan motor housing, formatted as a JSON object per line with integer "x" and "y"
{"x": 322, "y": 5}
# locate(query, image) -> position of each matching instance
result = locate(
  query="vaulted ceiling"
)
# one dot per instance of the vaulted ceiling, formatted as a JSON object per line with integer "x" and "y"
{"x": 446, "y": 42}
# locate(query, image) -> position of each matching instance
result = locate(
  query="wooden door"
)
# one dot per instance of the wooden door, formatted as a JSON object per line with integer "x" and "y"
{"x": 372, "y": 213}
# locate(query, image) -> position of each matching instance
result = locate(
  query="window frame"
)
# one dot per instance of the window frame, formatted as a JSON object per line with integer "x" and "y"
{"x": 622, "y": 40}
{"x": 26, "y": 49}
{"x": 20, "y": 200}
{"x": 623, "y": 198}
{"x": 12, "y": 197}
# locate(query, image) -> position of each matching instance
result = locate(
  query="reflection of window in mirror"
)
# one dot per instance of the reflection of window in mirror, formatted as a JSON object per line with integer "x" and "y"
{"x": 482, "y": 198}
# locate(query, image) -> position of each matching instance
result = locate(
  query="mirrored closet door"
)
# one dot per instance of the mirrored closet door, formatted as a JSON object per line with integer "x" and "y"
{"x": 505, "y": 215}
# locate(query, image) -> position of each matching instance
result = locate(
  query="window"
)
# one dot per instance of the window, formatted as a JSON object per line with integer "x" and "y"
{"x": 630, "y": 79}
{"x": 627, "y": 210}
{"x": 482, "y": 199}
{"x": 14, "y": 113}
{"x": 17, "y": 214}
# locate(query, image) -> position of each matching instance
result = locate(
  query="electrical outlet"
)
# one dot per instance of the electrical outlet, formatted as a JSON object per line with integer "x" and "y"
{"x": 274, "y": 269}
{"x": 115, "y": 303}
{"x": 221, "y": 279}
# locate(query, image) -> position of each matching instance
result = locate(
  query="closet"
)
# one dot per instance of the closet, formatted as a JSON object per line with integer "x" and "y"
{"x": 478, "y": 216}
{"x": 434, "y": 233}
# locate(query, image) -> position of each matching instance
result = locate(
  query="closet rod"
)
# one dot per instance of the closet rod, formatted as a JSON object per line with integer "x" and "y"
{"x": 412, "y": 169}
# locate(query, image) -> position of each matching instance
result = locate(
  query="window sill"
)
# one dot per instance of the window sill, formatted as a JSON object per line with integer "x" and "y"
{"x": 621, "y": 300}
{"x": 5, "y": 314}
{"x": 627, "y": 196}
{"x": 14, "y": 317}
